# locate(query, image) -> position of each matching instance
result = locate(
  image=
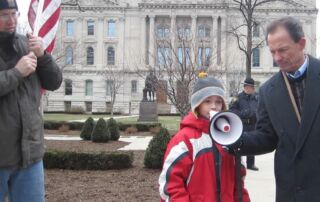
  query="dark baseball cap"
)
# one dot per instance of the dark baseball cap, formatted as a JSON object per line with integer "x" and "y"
{"x": 8, "y": 4}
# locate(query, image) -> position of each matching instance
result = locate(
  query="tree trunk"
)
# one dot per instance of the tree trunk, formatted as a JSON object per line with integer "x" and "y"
{"x": 249, "y": 45}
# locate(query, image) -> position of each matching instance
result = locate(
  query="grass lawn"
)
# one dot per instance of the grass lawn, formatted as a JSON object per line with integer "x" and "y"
{"x": 169, "y": 122}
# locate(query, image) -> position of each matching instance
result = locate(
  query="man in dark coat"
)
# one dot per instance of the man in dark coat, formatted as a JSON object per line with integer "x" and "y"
{"x": 25, "y": 68}
{"x": 289, "y": 115}
{"x": 245, "y": 106}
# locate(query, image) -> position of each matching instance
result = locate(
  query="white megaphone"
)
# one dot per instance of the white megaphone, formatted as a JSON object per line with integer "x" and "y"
{"x": 225, "y": 127}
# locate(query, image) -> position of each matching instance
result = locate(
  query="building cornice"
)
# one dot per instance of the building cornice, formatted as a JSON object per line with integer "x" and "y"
{"x": 93, "y": 8}
{"x": 182, "y": 6}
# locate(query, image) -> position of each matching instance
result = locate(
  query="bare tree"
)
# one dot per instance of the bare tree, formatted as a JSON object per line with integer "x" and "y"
{"x": 177, "y": 66}
{"x": 114, "y": 81}
{"x": 247, "y": 9}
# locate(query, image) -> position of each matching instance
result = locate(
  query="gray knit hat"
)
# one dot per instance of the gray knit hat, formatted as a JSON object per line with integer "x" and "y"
{"x": 205, "y": 87}
{"x": 8, "y": 4}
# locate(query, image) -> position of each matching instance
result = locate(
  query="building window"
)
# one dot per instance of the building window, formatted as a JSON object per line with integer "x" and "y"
{"x": 90, "y": 56}
{"x": 67, "y": 106}
{"x": 69, "y": 28}
{"x": 69, "y": 56}
{"x": 134, "y": 86}
{"x": 203, "y": 32}
{"x": 255, "y": 57}
{"x": 111, "y": 28}
{"x": 110, "y": 56}
{"x": 163, "y": 56}
{"x": 204, "y": 56}
{"x": 109, "y": 87}
{"x": 184, "y": 55}
{"x": 88, "y": 106}
{"x": 255, "y": 30}
{"x": 163, "y": 32}
{"x": 90, "y": 27}
{"x": 68, "y": 87}
{"x": 184, "y": 33}
{"x": 89, "y": 87}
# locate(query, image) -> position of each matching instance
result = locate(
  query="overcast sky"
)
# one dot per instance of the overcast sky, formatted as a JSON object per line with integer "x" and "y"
{"x": 24, "y": 5}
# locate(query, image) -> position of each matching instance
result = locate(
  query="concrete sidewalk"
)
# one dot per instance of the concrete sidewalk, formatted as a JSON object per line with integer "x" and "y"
{"x": 261, "y": 184}
{"x": 135, "y": 142}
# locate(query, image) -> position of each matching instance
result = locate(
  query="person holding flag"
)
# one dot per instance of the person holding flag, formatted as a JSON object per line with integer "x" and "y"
{"x": 25, "y": 68}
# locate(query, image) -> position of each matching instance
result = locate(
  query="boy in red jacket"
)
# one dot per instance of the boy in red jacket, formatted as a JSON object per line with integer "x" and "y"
{"x": 195, "y": 168}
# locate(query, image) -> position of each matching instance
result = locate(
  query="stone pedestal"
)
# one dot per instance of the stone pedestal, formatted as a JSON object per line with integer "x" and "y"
{"x": 148, "y": 111}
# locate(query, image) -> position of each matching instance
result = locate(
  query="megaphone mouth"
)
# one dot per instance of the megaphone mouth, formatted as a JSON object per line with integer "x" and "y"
{"x": 225, "y": 127}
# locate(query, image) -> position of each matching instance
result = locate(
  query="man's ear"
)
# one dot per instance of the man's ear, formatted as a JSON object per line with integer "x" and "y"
{"x": 302, "y": 43}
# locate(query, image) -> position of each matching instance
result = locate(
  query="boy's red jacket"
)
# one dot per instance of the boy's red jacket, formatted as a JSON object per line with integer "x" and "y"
{"x": 188, "y": 172}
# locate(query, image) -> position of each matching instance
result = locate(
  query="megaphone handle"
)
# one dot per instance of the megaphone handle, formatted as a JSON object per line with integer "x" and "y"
{"x": 238, "y": 176}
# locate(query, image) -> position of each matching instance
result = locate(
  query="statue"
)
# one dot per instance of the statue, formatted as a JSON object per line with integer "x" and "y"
{"x": 150, "y": 84}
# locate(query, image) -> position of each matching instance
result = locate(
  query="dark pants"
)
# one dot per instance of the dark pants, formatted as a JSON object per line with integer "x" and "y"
{"x": 250, "y": 161}
{"x": 247, "y": 128}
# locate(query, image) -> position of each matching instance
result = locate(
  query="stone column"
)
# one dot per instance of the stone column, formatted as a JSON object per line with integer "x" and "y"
{"x": 214, "y": 32}
{"x": 173, "y": 33}
{"x": 100, "y": 51}
{"x": 143, "y": 38}
{"x": 193, "y": 50}
{"x": 224, "y": 46}
{"x": 152, "y": 55}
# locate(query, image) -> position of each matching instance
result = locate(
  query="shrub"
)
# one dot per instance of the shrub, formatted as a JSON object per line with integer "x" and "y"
{"x": 76, "y": 125}
{"x": 100, "y": 132}
{"x": 114, "y": 129}
{"x": 64, "y": 127}
{"x": 131, "y": 130}
{"x": 87, "y": 129}
{"x": 154, "y": 130}
{"x": 87, "y": 161}
{"x": 157, "y": 146}
{"x": 143, "y": 127}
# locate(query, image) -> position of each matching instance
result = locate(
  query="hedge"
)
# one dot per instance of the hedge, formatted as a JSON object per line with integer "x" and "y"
{"x": 142, "y": 127}
{"x": 87, "y": 161}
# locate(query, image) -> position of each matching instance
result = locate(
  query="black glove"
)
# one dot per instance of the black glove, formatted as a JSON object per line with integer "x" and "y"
{"x": 234, "y": 148}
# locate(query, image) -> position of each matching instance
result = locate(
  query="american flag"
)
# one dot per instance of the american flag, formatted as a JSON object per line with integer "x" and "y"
{"x": 45, "y": 22}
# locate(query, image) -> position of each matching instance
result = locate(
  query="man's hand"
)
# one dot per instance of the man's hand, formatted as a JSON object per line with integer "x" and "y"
{"x": 27, "y": 64}
{"x": 234, "y": 148}
{"x": 36, "y": 45}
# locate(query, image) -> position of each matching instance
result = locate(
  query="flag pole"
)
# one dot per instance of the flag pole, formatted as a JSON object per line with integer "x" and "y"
{"x": 38, "y": 19}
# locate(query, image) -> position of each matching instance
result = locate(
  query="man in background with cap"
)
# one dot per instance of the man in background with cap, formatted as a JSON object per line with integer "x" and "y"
{"x": 245, "y": 105}
{"x": 25, "y": 68}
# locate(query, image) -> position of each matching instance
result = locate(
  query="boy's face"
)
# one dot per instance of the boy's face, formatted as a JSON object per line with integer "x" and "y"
{"x": 8, "y": 20}
{"x": 212, "y": 103}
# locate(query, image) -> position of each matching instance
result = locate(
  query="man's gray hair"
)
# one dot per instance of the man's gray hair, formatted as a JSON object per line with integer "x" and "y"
{"x": 292, "y": 25}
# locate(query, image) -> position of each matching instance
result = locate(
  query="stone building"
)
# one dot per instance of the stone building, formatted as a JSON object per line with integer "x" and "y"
{"x": 108, "y": 39}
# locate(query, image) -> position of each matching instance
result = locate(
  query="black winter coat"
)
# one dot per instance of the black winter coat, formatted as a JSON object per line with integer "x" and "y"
{"x": 297, "y": 155}
{"x": 245, "y": 106}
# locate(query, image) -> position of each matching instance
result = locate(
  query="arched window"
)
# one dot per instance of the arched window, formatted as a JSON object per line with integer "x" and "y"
{"x": 69, "y": 56}
{"x": 110, "y": 56}
{"x": 68, "y": 87}
{"x": 90, "y": 56}
{"x": 89, "y": 87}
{"x": 255, "y": 57}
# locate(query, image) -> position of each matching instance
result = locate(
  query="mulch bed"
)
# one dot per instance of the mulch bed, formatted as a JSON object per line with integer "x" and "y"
{"x": 134, "y": 184}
